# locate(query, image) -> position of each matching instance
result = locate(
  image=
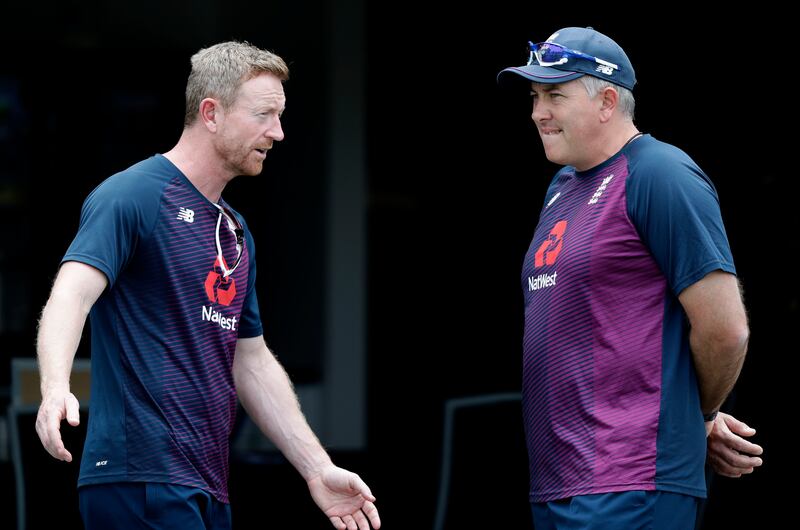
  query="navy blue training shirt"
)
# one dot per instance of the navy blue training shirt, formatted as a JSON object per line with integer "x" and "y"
{"x": 164, "y": 332}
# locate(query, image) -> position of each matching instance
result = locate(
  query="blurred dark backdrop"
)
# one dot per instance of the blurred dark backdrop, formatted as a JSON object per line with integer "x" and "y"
{"x": 455, "y": 178}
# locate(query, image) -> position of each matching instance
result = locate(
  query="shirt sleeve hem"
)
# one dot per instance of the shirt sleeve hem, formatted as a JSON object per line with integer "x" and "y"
{"x": 93, "y": 262}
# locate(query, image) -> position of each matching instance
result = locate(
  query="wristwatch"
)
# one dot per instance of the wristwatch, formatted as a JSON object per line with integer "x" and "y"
{"x": 711, "y": 416}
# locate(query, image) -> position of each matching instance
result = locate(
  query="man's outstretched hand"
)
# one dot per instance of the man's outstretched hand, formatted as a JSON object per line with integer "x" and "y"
{"x": 345, "y": 499}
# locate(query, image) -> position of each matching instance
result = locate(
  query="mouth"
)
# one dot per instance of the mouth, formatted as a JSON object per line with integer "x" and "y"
{"x": 262, "y": 152}
{"x": 549, "y": 132}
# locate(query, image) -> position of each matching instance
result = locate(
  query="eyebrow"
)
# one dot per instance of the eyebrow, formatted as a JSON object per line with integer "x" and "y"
{"x": 545, "y": 87}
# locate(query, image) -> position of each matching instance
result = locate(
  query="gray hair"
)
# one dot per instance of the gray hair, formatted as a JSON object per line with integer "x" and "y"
{"x": 219, "y": 71}
{"x": 594, "y": 85}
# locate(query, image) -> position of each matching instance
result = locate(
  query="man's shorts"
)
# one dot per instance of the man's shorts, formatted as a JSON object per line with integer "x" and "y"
{"x": 150, "y": 505}
{"x": 627, "y": 510}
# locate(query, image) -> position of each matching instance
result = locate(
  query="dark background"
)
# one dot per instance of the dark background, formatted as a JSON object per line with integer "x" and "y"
{"x": 456, "y": 177}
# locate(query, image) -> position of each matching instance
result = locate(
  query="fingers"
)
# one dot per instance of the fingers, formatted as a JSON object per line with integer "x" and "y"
{"x": 48, "y": 425}
{"x": 359, "y": 520}
{"x": 721, "y": 468}
{"x": 372, "y": 513}
{"x": 737, "y": 460}
{"x": 368, "y": 513}
{"x": 736, "y": 426}
{"x": 743, "y": 446}
{"x": 360, "y": 486}
{"x": 724, "y": 453}
{"x": 50, "y": 435}
{"x": 728, "y": 469}
{"x": 734, "y": 440}
{"x": 73, "y": 410}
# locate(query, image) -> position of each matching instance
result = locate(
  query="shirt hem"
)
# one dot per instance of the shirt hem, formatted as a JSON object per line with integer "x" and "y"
{"x": 616, "y": 488}
{"x": 221, "y": 496}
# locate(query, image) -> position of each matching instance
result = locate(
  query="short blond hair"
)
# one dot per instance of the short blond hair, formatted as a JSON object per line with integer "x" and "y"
{"x": 218, "y": 71}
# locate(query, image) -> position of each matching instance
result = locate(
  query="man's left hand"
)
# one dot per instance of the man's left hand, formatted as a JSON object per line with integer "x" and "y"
{"x": 729, "y": 453}
{"x": 345, "y": 499}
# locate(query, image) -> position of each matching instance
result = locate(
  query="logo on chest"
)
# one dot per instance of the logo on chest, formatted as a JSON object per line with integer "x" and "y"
{"x": 601, "y": 189}
{"x": 546, "y": 255}
{"x": 551, "y": 247}
{"x": 185, "y": 214}
{"x": 219, "y": 288}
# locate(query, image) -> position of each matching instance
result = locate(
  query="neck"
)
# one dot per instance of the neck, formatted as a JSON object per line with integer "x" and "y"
{"x": 194, "y": 156}
{"x": 611, "y": 144}
{"x": 621, "y": 138}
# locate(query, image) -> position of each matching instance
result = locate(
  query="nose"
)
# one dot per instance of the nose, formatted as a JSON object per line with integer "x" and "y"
{"x": 540, "y": 111}
{"x": 276, "y": 131}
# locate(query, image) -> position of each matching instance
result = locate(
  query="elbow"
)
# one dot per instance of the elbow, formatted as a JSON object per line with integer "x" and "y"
{"x": 735, "y": 339}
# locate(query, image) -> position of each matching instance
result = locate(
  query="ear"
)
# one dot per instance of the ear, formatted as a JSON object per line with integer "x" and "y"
{"x": 609, "y": 99}
{"x": 210, "y": 112}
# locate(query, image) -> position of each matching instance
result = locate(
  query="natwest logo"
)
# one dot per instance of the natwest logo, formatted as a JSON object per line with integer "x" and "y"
{"x": 541, "y": 281}
{"x": 215, "y": 316}
{"x": 546, "y": 254}
{"x": 551, "y": 247}
{"x": 218, "y": 288}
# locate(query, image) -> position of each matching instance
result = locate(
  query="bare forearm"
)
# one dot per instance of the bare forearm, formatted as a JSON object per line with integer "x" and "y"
{"x": 268, "y": 397}
{"x": 76, "y": 289}
{"x": 718, "y": 336}
{"x": 718, "y": 363}
{"x": 60, "y": 329}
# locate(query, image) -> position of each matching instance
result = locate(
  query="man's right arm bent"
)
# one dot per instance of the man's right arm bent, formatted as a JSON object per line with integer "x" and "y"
{"x": 75, "y": 290}
{"x": 718, "y": 335}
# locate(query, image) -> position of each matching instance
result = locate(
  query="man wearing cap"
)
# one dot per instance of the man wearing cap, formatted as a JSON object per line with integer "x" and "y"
{"x": 635, "y": 330}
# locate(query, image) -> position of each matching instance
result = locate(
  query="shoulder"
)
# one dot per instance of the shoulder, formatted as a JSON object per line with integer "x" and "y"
{"x": 658, "y": 166}
{"x": 562, "y": 175}
{"x": 140, "y": 181}
{"x": 657, "y": 155}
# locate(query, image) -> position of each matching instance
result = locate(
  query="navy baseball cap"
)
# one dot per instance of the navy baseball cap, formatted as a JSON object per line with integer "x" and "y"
{"x": 571, "y": 53}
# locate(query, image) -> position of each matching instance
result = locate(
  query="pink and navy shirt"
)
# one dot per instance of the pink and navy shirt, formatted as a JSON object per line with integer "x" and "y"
{"x": 164, "y": 331}
{"x": 610, "y": 396}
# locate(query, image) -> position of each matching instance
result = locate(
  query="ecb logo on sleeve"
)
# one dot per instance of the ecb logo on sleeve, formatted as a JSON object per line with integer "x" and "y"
{"x": 218, "y": 288}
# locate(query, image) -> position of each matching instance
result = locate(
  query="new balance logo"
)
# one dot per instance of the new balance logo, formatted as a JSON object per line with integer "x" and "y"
{"x": 553, "y": 199}
{"x": 185, "y": 214}
{"x": 600, "y": 190}
{"x": 607, "y": 70}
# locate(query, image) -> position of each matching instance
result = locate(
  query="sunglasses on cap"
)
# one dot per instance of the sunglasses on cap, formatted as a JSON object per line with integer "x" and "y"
{"x": 552, "y": 54}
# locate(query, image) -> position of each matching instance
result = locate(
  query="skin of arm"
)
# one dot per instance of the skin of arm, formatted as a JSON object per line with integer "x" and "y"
{"x": 75, "y": 290}
{"x": 268, "y": 397}
{"x": 718, "y": 336}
